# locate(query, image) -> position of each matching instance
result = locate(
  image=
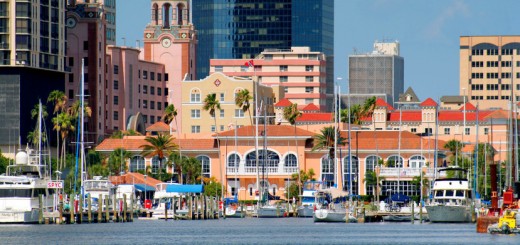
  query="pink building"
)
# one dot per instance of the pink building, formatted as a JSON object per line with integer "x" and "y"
{"x": 300, "y": 71}
{"x": 170, "y": 39}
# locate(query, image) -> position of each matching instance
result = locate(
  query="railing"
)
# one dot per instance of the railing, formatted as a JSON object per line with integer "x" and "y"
{"x": 274, "y": 167}
{"x": 407, "y": 172}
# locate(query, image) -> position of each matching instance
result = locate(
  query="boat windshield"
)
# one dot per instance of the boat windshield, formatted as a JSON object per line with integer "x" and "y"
{"x": 15, "y": 193}
{"x": 97, "y": 185}
{"x": 308, "y": 199}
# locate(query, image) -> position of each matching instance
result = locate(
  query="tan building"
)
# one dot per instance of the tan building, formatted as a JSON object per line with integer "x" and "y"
{"x": 300, "y": 71}
{"x": 489, "y": 70}
{"x": 199, "y": 123}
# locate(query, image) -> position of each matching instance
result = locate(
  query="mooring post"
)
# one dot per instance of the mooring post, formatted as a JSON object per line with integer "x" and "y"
{"x": 124, "y": 208}
{"x": 80, "y": 210}
{"x": 412, "y": 217}
{"x": 89, "y": 203}
{"x": 100, "y": 209}
{"x": 40, "y": 214}
{"x": 72, "y": 208}
{"x": 107, "y": 206}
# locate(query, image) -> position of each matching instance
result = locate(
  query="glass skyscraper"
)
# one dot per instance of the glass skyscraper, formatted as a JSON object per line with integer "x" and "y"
{"x": 242, "y": 29}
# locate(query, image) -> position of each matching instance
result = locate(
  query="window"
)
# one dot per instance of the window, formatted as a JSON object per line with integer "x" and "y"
{"x": 505, "y": 63}
{"x": 477, "y": 64}
{"x": 219, "y": 68}
{"x": 492, "y": 52}
{"x": 116, "y": 85}
{"x": 71, "y": 94}
{"x": 308, "y": 101}
{"x": 152, "y": 105}
{"x": 85, "y": 45}
{"x": 413, "y": 130}
{"x": 283, "y": 68}
{"x": 518, "y": 75}
{"x": 195, "y": 113}
{"x": 159, "y": 91}
{"x": 145, "y": 89}
{"x": 212, "y": 128}
{"x": 71, "y": 78}
{"x": 221, "y": 113}
{"x": 239, "y": 113}
{"x": 116, "y": 100}
{"x": 507, "y": 51}
{"x": 206, "y": 168}
{"x": 486, "y": 131}
{"x": 506, "y": 75}
{"x": 309, "y": 79}
{"x": 152, "y": 76}
{"x": 504, "y": 86}
{"x": 195, "y": 96}
{"x": 137, "y": 163}
{"x": 283, "y": 79}
{"x": 116, "y": 69}
{"x": 195, "y": 128}
{"x": 85, "y": 62}
{"x": 116, "y": 115}
{"x": 428, "y": 131}
{"x": 152, "y": 118}
{"x": 145, "y": 74}
{"x": 309, "y": 89}
{"x": 492, "y": 63}
{"x": 309, "y": 68}
{"x": 467, "y": 131}
{"x": 221, "y": 128}
{"x": 446, "y": 131}
{"x": 145, "y": 104}
{"x": 477, "y": 86}
{"x": 492, "y": 86}
{"x": 286, "y": 89}
{"x": 477, "y": 52}
{"x": 159, "y": 77}
{"x": 159, "y": 104}
{"x": 152, "y": 90}
{"x": 221, "y": 97}
{"x": 166, "y": 77}
{"x": 476, "y": 75}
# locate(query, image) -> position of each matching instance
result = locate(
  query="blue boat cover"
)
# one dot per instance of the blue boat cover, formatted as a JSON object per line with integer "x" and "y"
{"x": 185, "y": 188}
{"x": 143, "y": 187}
{"x": 400, "y": 198}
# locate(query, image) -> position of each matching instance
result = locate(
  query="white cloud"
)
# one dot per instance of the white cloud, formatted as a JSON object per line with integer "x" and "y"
{"x": 435, "y": 28}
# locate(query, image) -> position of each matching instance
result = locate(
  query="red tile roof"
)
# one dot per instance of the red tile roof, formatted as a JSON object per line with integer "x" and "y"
{"x": 469, "y": 107}
{"x": 381, "y": 103}
{"x": 405, "y": 116}
{"x": 133, "y": 178}
{"x": 498, "y": 114}
{"x": 315, "y": 117}
{"x": 389, "y": 140}
{"x": 135, "y": 143}
{"x": 311, "y": 107}
{"x": 459, "y": 115}
{"x": 428, "y": 103}
{"x": 272, "y": 131}
{"x": 283, "y": 103}
{"x": 159, "y": 126}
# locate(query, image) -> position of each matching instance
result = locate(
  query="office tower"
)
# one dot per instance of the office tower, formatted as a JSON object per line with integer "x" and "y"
{"x": 32, "y": 52}
{"x": 489, "y": 74}
{"x": 242, "y": 29}
{"x": 170, "y": 39}
{"x": 379, "y": 73}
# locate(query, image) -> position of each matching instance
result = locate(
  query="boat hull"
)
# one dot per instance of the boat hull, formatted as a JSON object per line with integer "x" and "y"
{"x": 271, "y": 212}
{"x": 18, "y": 217}
{"x": 328, "y": 215}
{"x": 305, "y": 211}
{"x": 449, "y": 214}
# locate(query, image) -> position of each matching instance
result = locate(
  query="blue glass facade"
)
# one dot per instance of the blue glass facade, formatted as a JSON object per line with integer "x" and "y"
{"x": 236, "y": 29}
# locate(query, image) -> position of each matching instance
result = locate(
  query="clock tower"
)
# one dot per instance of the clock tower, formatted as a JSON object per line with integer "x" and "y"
{"x": 170, "y": 39}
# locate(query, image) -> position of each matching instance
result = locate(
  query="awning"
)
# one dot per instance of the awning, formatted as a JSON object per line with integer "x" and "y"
{"x": 143, "y": 187}
{"x": 185, "y": 188}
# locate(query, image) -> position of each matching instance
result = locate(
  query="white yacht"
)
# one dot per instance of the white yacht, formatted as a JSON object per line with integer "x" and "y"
{"x": 99, "y": 186}
{"x": 306, "y": 209}
{"x": 451, "y": 197}
{"x": 20, "y": 188}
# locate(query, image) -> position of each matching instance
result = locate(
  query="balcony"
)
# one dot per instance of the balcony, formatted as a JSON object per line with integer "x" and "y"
{"x": 407, "y": 172}
{"x": 273, "y": 167}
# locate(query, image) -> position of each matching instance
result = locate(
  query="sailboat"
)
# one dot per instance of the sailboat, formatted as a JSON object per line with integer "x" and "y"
{"x": 232, "y": 209}
{"x": 24, "y": 182}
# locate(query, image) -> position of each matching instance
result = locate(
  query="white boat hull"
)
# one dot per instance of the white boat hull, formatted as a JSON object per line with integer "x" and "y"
{"x": 13, "y": 217}
{"x": 271, "y": 212}
{"x": 329, "y": 215}
{"x": 449, "y": 214}
{"x": 306, "y": 211}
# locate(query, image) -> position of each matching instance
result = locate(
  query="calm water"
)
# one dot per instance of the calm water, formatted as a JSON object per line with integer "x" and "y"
{"x": 250, "y": 231}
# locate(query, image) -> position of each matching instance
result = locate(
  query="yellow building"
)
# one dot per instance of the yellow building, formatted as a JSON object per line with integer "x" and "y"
{"x": 489, "y": 70}
{"x": 197, "y": 122}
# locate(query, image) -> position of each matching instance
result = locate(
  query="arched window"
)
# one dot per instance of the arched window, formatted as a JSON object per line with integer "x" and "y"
{"x": 180, "y": 8}
{"x": 166, "y": 15}
{"x": 290, "y": 163}
{"x": 394, "y": 162}
{"x": 346, "y": 165}
{"x": 137, "y": 163}
{"x": 206, "y": 167}
{"x": 371, "y": 162}
{"x": 233, "y": 163}
{"x": 156, "y": 13}
{"x": 155, "y": 165}
{"x": 267, "y": 161}
{"x": 327, "y": 171}
{"x": 417, "y": 161}
{"x": 195, "y": 96}
{"x": 351, "y": 174}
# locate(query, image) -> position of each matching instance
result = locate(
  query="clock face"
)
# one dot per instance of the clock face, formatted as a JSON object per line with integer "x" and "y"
{"x": 166, "y": 42}
{"x": 70, "y": 22}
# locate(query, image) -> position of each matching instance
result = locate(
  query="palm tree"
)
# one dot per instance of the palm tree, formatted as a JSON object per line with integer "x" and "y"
{"x": 178, "y": 163}
{"x": 291, "y": 114}
{"x": 170, "y": 114}
{"x": 159, "y": 146}
{"x": 192, "y": 167}
{"x": 455, "y": 148}
{"x": 368, "y": 107}
{"x": 353, "y": 116}
{"x": 74, "y": 109}
{"x": 63, "y": 123}
{"x": 36, "y": 110}
{"x": 325, "y": 139}
{"x": 60, "y": 103}
{"x": 371, "y": 179}
{"x": 117, "y": 161}
{"x": 211, "y": 104}
{"x": 242, "y": 100}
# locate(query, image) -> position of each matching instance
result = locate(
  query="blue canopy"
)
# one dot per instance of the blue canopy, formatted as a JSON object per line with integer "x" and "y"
{"x": 185, "y": 188}
{"x": 230, "y": 200}
{"x": 397, "y": 197}
{"x": 143, "y": 187}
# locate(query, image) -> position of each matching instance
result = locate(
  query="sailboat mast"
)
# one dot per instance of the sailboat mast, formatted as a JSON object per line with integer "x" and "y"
{"x": 82, "y": 123}
{"x": 40, "y": 131}
{"x": 256, "y": 137}
{"x": 399, "y": 151}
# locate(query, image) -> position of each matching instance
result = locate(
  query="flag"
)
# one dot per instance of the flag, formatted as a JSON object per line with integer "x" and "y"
{"x": 249, "y": 63}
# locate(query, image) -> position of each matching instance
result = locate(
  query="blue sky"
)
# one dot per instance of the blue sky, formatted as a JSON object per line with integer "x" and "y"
{"x": 427, "y": 30}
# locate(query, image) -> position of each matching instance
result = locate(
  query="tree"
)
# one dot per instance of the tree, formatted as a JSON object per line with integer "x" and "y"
{"x": 74, "y": 109}
{"x": 325, "y": 140}
{"x": 63, "y": 123}
{"x": 368, "y": 107}
{"x": 4, "y": 162}
{"x": 60, "y": 104}
{"x": 455, "y": 148}
{"x": 192, "y": 167}
{"x": 159, "y": 146}
{"x": 212, "y": 187}
{"x": 372, "y": 179}
{"x": 117, "y": 161}
{"x": 170, "y": 114}
{"x": 242, "y": 100}
{"x": 291, "y": 114}
{"x": 353, "y": 116}
{"x": 211, "y": 104}
{"x": 178, "y": 162}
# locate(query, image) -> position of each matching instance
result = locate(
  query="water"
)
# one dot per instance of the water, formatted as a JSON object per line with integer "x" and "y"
{"x": 250, "y": 231}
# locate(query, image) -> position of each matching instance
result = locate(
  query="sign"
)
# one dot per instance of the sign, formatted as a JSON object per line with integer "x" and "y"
{"x": 55, "y": 185}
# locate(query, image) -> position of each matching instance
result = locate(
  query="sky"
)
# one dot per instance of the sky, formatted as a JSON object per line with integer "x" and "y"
{"x": 428, "y": 32}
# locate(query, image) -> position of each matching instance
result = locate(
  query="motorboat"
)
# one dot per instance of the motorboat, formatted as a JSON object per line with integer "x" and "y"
{"x": 306, "y": 209}
{"x": 271, "y": 211}
{"x": 98, "y": 186}
{"x": 328, "y": 211}
{"x": 451, "y": 197}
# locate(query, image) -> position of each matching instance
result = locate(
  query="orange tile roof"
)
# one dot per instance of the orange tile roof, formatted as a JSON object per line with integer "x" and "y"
{"x": 133, "y": 144}
{"x": 311, "y": 107}
{"x": 498, "y": 114}
{"x": 389, "y": 140}
{"x": 405, "y": 116}
{"x": 159, "y": 126}
{"x": 283, "y": 103}
{"x": 272, "y": 131}
{"x": 459, "y": 115}
{"x": 315, "y": 117}
{"x": 133, "y": 178}
{"x": 429, "y": 103}
{"x": 381, "y": 103}
{"x": 469, "y": 107}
